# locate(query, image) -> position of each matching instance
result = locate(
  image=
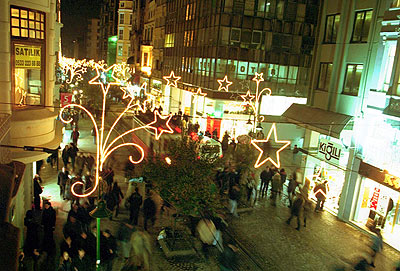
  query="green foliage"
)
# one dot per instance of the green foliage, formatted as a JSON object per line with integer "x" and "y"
{"x": 187, "y": 183}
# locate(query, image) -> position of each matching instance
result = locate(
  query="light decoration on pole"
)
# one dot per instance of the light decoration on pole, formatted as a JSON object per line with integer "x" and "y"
{"x": 105, "y": 78}
{"x": 255, "y": 142}
{"x": 224, "y": 84}
{"x": 74, "y": 69}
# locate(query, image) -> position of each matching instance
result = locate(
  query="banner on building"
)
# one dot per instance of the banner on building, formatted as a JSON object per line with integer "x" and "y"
{"x": 329, "y": 151}
{"x": 27, "y": 56}
{"x": 65, "y": 98}
{"x": 374, "y": 200}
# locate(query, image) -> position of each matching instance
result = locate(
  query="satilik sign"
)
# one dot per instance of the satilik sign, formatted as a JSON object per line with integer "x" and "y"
{"x": 27, "y": 56}
{"x": 329, "y": 151}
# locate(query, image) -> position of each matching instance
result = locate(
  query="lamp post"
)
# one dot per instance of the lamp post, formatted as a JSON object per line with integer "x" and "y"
{"x": 99, "y": 212}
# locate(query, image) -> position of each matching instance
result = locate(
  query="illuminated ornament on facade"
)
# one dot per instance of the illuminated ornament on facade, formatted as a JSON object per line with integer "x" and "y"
{"x": 258, "y": 77}
{"x": 103, "y": 148}
{"x": 224, "y": 84}
{"x": 158, "y": 123}
{"x": 74, "y": 69}
{"x": 172, "y": 80}
{"x": 258, "y": 144}
{"x": 247, "y": 98}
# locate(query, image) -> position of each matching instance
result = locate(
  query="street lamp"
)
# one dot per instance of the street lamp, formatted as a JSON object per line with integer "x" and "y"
{"x": 99, "y": 212}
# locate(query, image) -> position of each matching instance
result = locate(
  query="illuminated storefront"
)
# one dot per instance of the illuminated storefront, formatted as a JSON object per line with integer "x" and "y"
{"x": 377, "y": 203}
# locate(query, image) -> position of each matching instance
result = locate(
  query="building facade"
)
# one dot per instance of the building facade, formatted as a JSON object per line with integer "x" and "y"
{"x": 352, "y": 120}
{"x": 28, "y": 49}
{"x": 125, "y": 18}
{"x": 93, "y": 39}
{"x": 108, "y": 28}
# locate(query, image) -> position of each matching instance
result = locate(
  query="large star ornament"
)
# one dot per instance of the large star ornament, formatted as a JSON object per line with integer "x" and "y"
{"x": 258, "y": 77}
{"x": 158, "y": 123}
{"x": 224, "y": 84}
{"x": 100, "y": 80}
{"x": 247, "y": 98}
{"x": 172, "y": 80}
{"x": 256, "y": 143}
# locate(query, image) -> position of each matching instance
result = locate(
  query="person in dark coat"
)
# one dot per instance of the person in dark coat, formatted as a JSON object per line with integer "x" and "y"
{"x": 320, "y": 193}
{"x": 65, "y": 156}
{"x": 108, "y": 247}
{"x": 37, "y": 190}
{"x": 49, "y": 223}
{"x": 266, "y": 177}
{"x": 124, "y": 233}
{"x": 135, "y": 201}
{"x": 73, "y": 152}
{"x": 62, "y": 181}
{"x": 296, "y": 210}
{"x": 234, "y": 196}
{"x": 72, "y": 228}
{"x": 82, "y": 262}
{"x": 75, "y": 136}
{"x": 228, "y": 259}
{"x": 65, "y": 262}
{"x": 118, "y": 196}
{"x": 149, "y": 211}
{"x": 32, "y": 241}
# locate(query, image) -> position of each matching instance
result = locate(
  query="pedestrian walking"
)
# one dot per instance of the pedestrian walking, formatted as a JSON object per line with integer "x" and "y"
{"x": 32, "y": 241}
{"x": 275, "y": 186}
{"x": 93, "y": 133}
{"x": 49, "y": 224}
{"x": 118, "y": 196}
{"x": 134, "y": 201}
{"x": 141, "y": 250}
{"x": 108, "y": 250}
{"x": 296, "y": 210}
{"x": 65, "y": 156}
{"x": 79, "y": 164}
{"x": 250, "y": 186}
{"x": 320, "y": 191}
{"x": 75, "y": 136}
{"x": 124, "y": 234}
{"x": 62, "y": 181}
{"x": 82, "y": 262}
{"x": 37, "y": 190}
{"x": 282, "y": 172}
{"x": 65, "y": 262}
{"x": 234, "y": 195}
{"x": 149, "y": 211}
{"x": 377, "y": 244}
{"x": 89, "y": 162}
{"x": 265, "y": 177}
{"x": 72, "y": 153}
{"x": 228, "y": 258}
{"x": 293, "y": 184}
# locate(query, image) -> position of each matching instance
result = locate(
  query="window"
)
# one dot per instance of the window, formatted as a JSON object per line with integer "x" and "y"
{"x": 324, "y": 77}
{"x": 353, "y": 78}
{"x": 169, "y": 40}
{"x": 256, "y": 37}
{"x": 27, "y": 23}
{"x": 145, "y": 58}
{"x": 121, "y": 18}
{"x": 362, "y": 22}
{"x": 331, "y": 28}
{"x": 121, "y": 34}
{"x": 130, "y": 19}
{"x": 120, "y": 49}
{"x": 235, "y": 34}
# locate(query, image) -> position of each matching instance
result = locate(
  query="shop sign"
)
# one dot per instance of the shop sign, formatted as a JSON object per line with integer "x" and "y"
{"x": 374, "y": 200}
{"x": 392, "y": 181}
{"x": 27, "y": 56}
{"x": 329, "y": 151}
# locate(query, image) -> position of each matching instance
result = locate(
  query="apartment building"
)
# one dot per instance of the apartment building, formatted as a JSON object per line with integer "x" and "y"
{"x": 125, "y": 19}
{"x": 93, "y": 39}
{"x": 108, "y": 30}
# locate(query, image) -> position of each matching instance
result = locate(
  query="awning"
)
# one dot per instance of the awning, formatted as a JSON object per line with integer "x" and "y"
{"x": 316, "y": 119}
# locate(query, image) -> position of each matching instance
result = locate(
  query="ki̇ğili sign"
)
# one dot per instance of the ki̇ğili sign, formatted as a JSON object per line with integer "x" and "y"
{"x": 329, "y": 151}
{"x": 27, "y": 56}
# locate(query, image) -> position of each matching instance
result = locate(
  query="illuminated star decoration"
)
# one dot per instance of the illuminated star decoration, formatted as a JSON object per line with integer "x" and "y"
{"x": 224, "y": 84}
{"x": 247, "y": 98}
{"x": 172, "y": 80}
{"x": 101, "y": 73}
{"x": 158, "y": 123}
{"x": 258, "y": 77}
{"x": 197, "y": 94}
{"x": 255, "y": 143}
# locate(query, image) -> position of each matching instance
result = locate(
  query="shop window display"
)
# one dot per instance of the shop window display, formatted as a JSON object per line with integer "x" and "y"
{"x": 334, "y": 178}
{"x": 377, "y": 207}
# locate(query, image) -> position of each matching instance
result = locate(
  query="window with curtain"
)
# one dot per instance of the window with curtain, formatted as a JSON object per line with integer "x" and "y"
{"x": 331, "y": 28}
{"x": 324, "y": 77}
{"x": 362, "y": 23}
{"x": 353, "y": 79}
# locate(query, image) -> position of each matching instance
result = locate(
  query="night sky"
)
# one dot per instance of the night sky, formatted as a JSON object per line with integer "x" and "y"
{"x": 74, "y": 15}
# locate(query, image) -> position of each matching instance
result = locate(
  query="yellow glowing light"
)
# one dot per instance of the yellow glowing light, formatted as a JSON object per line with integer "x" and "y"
{"x": 74, "y": 69}
{"x": 224, "y": 84}
{"x": 168, "y": 160}
{"x": 146, "y": 70}
{"x": 172, "y": 80}
{"x": 104, "y": 150}
{"x": 158, "y": 121}
{"x": 258, "y": 77}
{"x": 276, "y": 163}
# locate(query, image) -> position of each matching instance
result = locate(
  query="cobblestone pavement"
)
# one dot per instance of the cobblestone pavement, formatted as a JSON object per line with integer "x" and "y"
{"x": 324, "y": 244}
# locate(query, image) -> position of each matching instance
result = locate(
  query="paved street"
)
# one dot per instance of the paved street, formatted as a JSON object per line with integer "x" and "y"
{"x": 262, "y": 231}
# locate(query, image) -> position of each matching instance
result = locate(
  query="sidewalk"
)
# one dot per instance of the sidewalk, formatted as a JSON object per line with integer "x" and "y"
{"x": 324, "y": 244}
